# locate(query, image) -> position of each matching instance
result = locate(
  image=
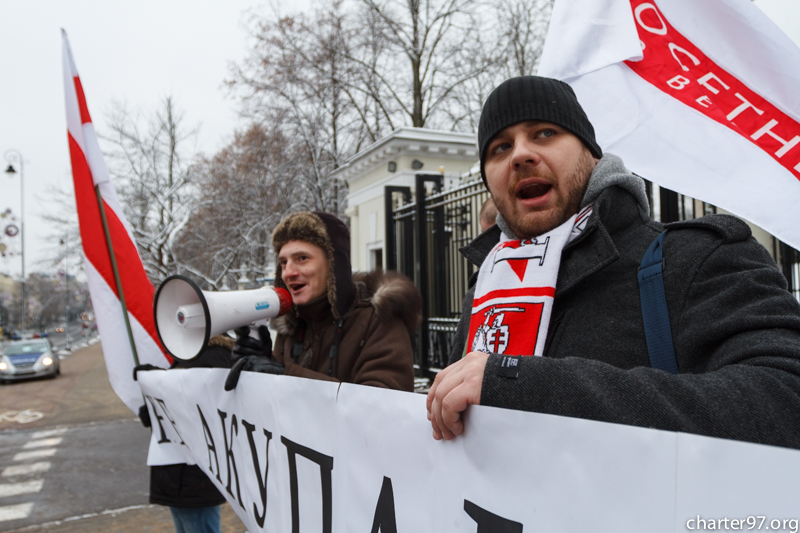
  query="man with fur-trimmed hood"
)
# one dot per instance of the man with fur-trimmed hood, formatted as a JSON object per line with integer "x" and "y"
{"x": 342, "y": 327}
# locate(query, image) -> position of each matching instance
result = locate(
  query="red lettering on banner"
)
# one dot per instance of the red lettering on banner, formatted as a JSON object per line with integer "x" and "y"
{"x": 674, "y": 65}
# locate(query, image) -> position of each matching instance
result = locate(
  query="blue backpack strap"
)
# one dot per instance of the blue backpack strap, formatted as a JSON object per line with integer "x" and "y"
{"x": 654, "y": 309}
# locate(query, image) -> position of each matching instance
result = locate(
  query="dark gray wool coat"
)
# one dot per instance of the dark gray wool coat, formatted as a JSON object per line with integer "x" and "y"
{"x": 736, "y": 331}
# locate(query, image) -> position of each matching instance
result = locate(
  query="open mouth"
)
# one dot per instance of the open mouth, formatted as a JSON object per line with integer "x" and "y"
{"x": 534, "y": 190}
{"x": 296, "y": 286}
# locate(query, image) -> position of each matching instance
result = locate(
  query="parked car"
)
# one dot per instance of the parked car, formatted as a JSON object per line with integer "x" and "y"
{"x": 26, "y": 359}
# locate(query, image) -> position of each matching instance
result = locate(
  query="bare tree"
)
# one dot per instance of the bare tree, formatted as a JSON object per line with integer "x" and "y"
{"x": 511, "y": 46}
{"x": 44, "y": 299}
{"x": 464, "y": 105}
{"x": 249, "y": 188}
{"x": 525, "y": 23}
{"x": 435, "y": 39}
{"x": 297, "y": 79}
{"x": 349, "y": 73}
{"x": 64, "y": 234}
{"x": 150, "y": 159}
{"x": 345, "y": 75}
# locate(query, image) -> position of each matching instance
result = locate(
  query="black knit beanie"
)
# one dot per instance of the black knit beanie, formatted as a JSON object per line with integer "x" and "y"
{"x": 533, "y": 98}
{"x": 329, "y": 233}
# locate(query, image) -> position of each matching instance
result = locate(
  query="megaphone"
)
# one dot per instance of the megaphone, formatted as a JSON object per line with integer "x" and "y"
{"x": 187, "y": 317}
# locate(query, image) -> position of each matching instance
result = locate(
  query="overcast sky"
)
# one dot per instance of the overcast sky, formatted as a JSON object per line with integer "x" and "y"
{"x": 136, "y": 52}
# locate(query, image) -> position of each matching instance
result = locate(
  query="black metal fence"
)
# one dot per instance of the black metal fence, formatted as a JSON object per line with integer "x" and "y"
{"x": 670, "y": 206}
{"x": 423, "y": 235}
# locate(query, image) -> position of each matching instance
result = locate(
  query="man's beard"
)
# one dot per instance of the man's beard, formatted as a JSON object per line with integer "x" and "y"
{"x": 572, "y": 188}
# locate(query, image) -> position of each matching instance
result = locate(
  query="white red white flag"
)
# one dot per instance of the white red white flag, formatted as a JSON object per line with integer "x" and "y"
{"x": 699, "y": 97}
{"x": 89, "y": 170}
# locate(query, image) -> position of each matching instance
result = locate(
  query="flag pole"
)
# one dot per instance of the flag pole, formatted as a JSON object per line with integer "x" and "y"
{"x": 116, "y": 273}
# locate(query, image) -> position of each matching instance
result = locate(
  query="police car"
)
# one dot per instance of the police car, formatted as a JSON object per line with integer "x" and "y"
{"x": 28, "y": 359}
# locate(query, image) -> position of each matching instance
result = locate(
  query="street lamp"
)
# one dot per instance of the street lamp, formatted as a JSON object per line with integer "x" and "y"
{"x": 13, "y": 156}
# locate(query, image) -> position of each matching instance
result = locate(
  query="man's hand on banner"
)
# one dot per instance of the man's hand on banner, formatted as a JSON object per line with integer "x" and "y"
{"x": 454, "y": 388}
{"x": 252, "y": 355}
{"x": 143, "y": 368}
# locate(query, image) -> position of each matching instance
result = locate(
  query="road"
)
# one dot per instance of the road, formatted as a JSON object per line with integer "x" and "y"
{"x": 73, "y": 456}
{"x": 59, "y": 340}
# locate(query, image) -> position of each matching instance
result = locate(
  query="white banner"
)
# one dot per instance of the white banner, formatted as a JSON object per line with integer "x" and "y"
{"x": 297, "y": 455}
{"x": 698, "y": 96}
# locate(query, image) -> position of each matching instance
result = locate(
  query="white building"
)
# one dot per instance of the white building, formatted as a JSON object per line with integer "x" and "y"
{"x": 395, "y": 160}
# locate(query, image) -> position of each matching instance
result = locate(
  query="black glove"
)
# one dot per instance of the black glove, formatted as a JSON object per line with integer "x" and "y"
{"x": 246, "y": 345}
{"x": 252, "y": 355}
{"x": 252, "y": 363}
{"x": 146, "y": 366}
{"x": 144, "y": 416}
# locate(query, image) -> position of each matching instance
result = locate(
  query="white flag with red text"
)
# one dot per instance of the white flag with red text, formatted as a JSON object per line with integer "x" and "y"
{"x": 89, "y": 170}
{"x": 702, "y": 97}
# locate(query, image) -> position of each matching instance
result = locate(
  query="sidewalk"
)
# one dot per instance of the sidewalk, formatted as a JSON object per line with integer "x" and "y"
{"x": 149, "y": 519}
{"x": 81, "y": 395}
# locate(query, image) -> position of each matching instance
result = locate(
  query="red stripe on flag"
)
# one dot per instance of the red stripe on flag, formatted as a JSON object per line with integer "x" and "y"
{"x": 138, "y": 290}
{"x": 516, "y": 293}
{"x": 91, "y": 226}
{"x": 677, "y": 67}
{"x": 84, "y": 109}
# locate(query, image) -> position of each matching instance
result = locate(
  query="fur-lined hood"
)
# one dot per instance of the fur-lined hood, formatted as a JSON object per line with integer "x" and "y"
{"x": 391, "y": 293}
{"x": 333, "y": 238}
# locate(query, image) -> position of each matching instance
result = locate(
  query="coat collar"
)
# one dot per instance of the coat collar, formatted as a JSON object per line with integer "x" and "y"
{"x": 614, "y": 210}
{"x": 479, "y": 248}
{"x": 317, "y": 310}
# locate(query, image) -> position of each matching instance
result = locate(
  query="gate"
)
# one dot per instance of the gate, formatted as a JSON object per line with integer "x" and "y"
{"x": 423, "y": 235}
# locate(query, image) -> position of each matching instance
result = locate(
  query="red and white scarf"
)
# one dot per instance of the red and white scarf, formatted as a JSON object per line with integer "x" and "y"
{"x": 515, "y": 291}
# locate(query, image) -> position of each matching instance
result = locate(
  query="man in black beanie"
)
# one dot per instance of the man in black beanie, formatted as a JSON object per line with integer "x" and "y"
{"x": 549, "y": 189}
{"x": 554, "y": 323}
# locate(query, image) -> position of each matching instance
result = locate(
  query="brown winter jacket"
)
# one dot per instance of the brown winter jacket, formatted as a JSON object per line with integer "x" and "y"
{"x": 375, "y": 348}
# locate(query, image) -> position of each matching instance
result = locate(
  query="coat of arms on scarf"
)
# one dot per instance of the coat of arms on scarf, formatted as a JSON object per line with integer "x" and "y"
{"x": 515, "y": 291}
